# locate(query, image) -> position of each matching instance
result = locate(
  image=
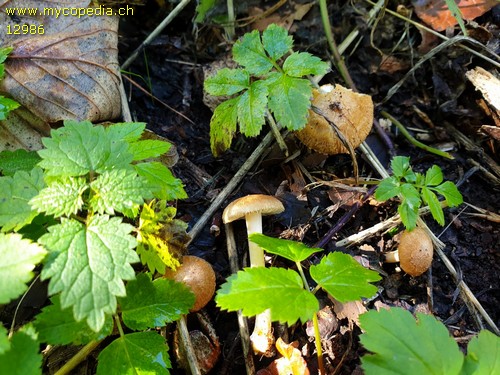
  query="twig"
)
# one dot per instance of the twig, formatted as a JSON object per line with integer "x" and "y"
{"x": 439, "y": 35}
{"x": 188, "y": 347}
{"x": 155, "y": 33}
{"x": 230, "y": 31}
{"x": 252, "y": 159}
{"x": 242, "y": 321}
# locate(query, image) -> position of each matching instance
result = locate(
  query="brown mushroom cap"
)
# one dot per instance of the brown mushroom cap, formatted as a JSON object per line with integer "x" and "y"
{"x": 351, "y": 112}
{"x": 415, "y": 251}
{"x": 265, "y": 204}
{"x": 198, "y": 275}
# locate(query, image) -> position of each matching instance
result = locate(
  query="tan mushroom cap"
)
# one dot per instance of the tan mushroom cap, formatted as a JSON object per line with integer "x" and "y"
{"x": 265, "y": 204}
{"x": 351, "y": 112}
{"x": 415, "y": 251}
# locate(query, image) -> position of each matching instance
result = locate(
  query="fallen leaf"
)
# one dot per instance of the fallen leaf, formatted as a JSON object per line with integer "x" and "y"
{"x": 70, "y": 71}
{"x": 436, "y": 14}
{"x": 292, "y": 362}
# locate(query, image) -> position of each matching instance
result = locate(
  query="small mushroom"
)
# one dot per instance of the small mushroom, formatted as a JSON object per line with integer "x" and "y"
{"x": 414, "y": 252}
{"x": 252, "y": 207}
{"x": 199, "y": 276}
{"x": 350, "y": 111}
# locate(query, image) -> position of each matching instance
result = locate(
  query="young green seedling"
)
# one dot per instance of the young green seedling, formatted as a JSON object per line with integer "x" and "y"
{"x": 413, "y": 188}
{"x": 254, "y": 290}
{"x": 6, "y": 104}
{"x": 267, "y": 83}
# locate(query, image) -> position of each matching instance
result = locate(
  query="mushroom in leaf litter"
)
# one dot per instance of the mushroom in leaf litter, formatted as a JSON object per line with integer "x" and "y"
{"x": 414, "y": 252}
{"x": 252, "y": 208}
{"x": 349, "y": 111}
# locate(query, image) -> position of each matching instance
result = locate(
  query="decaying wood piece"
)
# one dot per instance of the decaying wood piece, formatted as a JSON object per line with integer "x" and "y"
{"x": 488, "y": 84}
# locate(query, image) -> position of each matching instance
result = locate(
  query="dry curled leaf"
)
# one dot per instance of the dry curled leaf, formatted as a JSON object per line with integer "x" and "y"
{"x": 292, "y": 362}
{"x": 436, "y": 14}
{"x": 70, "y": 71}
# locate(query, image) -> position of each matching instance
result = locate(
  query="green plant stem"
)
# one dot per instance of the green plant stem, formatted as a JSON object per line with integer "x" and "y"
{"x": 317, "y": 340}
{"x": 78, "y": 358}
{"x": 317, "y": 335}
{"x": 412, "y": 140}
{"x": 276, "y": 132}
{"x": 339, "y": 62}
{"x": 230, "y": 30}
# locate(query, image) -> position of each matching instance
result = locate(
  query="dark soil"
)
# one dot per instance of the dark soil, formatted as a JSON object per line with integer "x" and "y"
{"x": 439, "y": 89}
{"x": 173, "y": 67}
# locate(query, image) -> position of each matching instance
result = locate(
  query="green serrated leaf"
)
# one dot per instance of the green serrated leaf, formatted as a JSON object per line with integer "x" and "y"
{"x": 433, "y": 176}
{"x": 149, "y": 148}
{"x": 483, "y": 355}
{"x": 450, "y": 193}
{"x": 276, "y": 41}
{"x": 249, "y": 52}
{"x": 161, "y": 181}
{"x": 292, "y": 250}
{"x": 387, "y": 188}
{"x": 403, "y": 346}
{"x": 23, "y": 357}
{"x": 151, "y": 304}
{"x": 290, "y": 100}
{"x": 121, "y": 190}
{"x": 87, "y": 265}
{"x": 400, "y": 166}
{"x": 4, "y": 340}
{"x": 18, "y": 160}
{"x": 18, "y": 258}
{"x": 408, "y": 213}
{"x": 56, "y": 326}
{"x": 126, "y": 131}
{"x": 15, "y": 211}
{"x": 344, "y": 278}
{"x": 63, "y": 197}
{"x": 79, "y": 148}
{"x": 223, "y": 125}
{"x": 254, "y": 290}
{"x": 299, "y": 64}
{"x": 227, "y": 82}
{"x": 138, "y": 353}
{"x": 6, "y": 105}
{"x": 252, "y": 108}
{"x": 434, "y": 205}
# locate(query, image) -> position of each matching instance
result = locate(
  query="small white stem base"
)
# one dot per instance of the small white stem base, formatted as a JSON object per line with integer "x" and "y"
{"x": 262, "y": 338}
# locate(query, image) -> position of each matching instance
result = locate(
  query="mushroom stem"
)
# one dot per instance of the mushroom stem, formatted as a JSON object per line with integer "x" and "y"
{"x": 391, "y": 256}
{"x": 262, "y": 337}
{"x": 254, "y": 225}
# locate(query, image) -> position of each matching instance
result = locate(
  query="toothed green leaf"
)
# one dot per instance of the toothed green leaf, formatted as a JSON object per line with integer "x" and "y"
{"x": 404, "y": 346}
{"x": 300, "y": 64}
{"x": 276, "y": 41}
{"x": 62, "y": 197}
{"x": 18, "y": 258}
{"x": 17, "y": 191}
{"x": 151, "y": 304}
{"x": 227, "y": 82}
{"x": 88, "y": 265}
{"x": 249, "y": 52}
{"x": 344, "y": 278}
{"x": 254, "y": 290}
{"x": 135, "y": 353}
{"x": 290, "y": 100}
{"x": 223, "y": 125}
{"x": 292, "y": 250}
{"x": 252, "y": 109}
